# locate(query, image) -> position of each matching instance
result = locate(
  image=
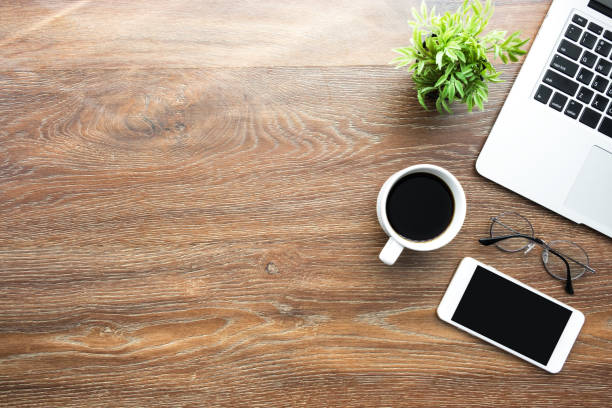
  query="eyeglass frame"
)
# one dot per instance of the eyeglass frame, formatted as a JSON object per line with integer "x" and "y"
{"x": 493, "y": 240}
{"x": 530, "y": 246}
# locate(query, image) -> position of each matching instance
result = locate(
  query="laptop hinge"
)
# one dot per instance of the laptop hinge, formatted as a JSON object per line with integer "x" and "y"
{"x": 603, "y": 6}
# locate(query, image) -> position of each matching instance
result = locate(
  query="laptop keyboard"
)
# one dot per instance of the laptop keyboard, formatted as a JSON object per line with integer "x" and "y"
{"x": 578, "y": 80}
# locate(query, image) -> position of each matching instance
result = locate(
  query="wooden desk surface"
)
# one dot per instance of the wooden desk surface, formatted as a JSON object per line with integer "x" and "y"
{"x": 187, "y": 214}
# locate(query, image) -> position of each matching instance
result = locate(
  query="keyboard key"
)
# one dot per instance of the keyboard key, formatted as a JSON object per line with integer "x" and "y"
{"x": 609, "y": 111}
{"x": 558, "y": 101}
{"x": 603, "y": 66}
{"x": 581, "y": 21}
{"x": 588, "y": 40}
{"x": 609, "y": 93}
{"x": 606, "y": 126}
{"x": 573, "y": 32}
{"x": 588, "y": 59}
{"x": 573, "y": 109}
{"x": 564, "y": 65}
{"x": 600, "y": 102}
{"x": 560, "y": 82}
{"x": 608, "y": 35}
{"x": 585, "y": 95}
{"x": 585, "y": 76}
{"x": 603, "y": 48}
{"x": 590, "y": 117}
{"x": 543, "y": 93}
{"x": 600, "y": 84}
{"x": 569, "y": 49}
{"x": 597, "y": 29}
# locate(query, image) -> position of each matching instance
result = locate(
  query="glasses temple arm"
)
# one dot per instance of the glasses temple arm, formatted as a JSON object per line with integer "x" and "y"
{"x": 587, "y": 267}
{"x": 568, "y": 281}
{"x": 495, "y": 240}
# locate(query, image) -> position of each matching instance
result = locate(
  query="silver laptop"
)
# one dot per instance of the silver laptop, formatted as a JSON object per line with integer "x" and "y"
{"x": 552, "y": 141}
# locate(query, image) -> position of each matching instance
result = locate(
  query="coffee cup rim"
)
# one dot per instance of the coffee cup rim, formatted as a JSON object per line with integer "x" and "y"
{"x": 459, "y": 213}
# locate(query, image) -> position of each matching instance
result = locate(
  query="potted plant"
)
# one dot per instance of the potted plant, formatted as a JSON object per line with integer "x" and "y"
{"x": 448, "y": 55}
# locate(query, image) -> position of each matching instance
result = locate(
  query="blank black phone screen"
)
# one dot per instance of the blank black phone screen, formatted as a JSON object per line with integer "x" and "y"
{"x": 511, "y": 315}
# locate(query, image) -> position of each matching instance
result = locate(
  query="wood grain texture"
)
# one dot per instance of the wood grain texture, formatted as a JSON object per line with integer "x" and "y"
{"x": 193, "y": 224}
{"x": 217, "y": 33}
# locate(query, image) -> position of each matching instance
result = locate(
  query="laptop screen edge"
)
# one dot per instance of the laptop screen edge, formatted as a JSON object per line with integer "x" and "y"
{"x": 603, "y": 6}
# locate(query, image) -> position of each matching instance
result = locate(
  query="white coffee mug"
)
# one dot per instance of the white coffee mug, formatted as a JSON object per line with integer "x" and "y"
{"x": 396, "y": 243}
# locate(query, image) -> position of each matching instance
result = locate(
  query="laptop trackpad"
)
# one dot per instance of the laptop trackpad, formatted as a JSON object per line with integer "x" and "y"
{"x": 591, "y": 194}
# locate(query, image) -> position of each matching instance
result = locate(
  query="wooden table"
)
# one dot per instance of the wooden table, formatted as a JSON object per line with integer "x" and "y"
{"x": 187, "y": 214}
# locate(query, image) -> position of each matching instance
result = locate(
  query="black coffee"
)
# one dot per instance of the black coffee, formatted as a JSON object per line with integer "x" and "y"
{"x": 420, "y": 206}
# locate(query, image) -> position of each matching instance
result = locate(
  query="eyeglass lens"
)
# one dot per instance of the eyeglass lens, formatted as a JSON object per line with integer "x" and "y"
{"x": 511, "y": 223}
{"x": 572, "y": 252}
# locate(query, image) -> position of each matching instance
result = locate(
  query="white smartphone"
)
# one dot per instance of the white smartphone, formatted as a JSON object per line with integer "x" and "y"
{"x": 510, "y": 315}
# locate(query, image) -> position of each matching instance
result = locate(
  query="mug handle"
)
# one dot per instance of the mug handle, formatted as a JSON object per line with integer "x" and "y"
{"x": 391, "y": 251}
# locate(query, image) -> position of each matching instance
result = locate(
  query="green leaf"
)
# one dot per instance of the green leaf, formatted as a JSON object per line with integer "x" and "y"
{"x": 459, "y": 88}
{"x": 446, "y": 108}
{"x": 439, "y": 104}
{"x": 405, "y": 51}
{"x": 420, "y": 66}
{"x": 470, "y": 104}
{"x": 461, "y": 56}
{"x": 440, "y": 81}
{"x": 480, "y": 104}
{"x": 450, "y": 94}
{"x": 439, "y": 57}
{"x": 422, "y": 100}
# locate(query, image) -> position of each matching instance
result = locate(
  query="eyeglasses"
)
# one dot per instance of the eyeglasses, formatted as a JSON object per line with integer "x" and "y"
{"x": 511, "y": 232}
